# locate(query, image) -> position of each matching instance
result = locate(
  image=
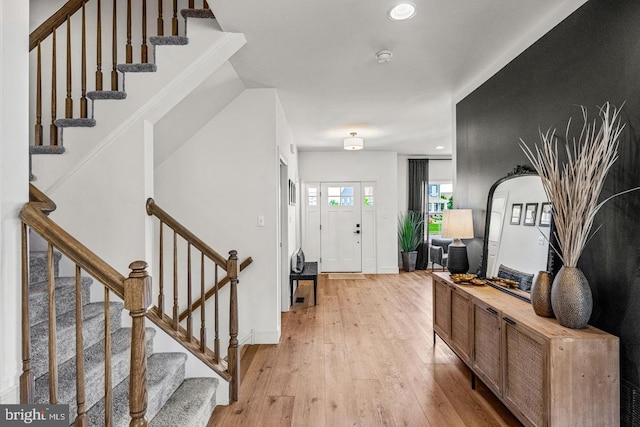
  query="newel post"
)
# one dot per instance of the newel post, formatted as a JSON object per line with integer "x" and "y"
{"x": 137, "y": 299}
{"x": 233, "y": 354}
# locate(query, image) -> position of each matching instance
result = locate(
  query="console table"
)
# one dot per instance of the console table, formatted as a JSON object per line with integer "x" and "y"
{"x": 546, "y": 374}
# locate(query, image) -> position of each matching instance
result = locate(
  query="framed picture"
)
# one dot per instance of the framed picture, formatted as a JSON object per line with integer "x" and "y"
{"x": 516, "y": 213}
{"x": 292, "y": 193}
{"x": 530, "y": 211}
{"x": 545, "y": 215}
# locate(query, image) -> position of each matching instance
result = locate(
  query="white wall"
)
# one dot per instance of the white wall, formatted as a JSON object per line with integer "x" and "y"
{"x": 440, "y": 170}
{"x": 14, "y": 172}
{"x": 377, "y": 166}
{"x": 220, "y": 181}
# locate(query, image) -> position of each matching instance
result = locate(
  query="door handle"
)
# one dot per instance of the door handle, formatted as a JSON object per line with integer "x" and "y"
{"x": 509, "y": 321}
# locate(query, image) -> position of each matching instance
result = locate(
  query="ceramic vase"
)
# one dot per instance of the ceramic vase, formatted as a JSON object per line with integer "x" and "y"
{"x": 541, "y": 294}
{"x": 571, "y": 298}
{"x": 409, "y": 260}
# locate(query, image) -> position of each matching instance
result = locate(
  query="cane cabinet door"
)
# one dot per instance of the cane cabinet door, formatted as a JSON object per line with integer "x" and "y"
{"x": 525, "y": 371}
{"x": 487, "y": 340}
{"x": 442, "y": 309}
{"x": 461, "y": 324}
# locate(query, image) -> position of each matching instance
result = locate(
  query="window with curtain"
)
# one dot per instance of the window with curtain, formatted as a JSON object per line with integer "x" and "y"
{"x": 418, "y": 201}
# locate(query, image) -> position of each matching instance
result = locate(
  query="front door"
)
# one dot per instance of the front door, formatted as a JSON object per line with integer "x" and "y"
{"x": 341, "y": 232}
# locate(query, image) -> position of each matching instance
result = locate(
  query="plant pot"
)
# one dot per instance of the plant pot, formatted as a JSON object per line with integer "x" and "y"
{"x": 409, "y": 260}
{"x": 571, "y": 298}
{"x": 541, "y": 294}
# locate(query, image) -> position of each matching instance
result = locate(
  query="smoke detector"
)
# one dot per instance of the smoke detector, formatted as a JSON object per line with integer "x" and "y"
{"x": 384, "y": 56}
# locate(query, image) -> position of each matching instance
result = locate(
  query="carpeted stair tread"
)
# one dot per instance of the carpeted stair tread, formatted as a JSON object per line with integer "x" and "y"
{"x": 75, "y": 123}
{"x": 191, "y": 405}
{"x": 197, "y": 13}
{"x": 93, "y": 371}
{"x": 38, "y": 265}
{"x": 106, "y": 94}
{"x": 169, "y": 40}
{"x": 93, "y": 320}
{"x": 46, "y": 149}
{"x": 165, "y": 373}
{"x": 137, "y": 68}
{"x": 65, "y": 297}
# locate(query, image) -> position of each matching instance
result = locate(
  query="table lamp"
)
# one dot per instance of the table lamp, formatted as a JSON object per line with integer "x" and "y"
{"x": 457, "y": 224}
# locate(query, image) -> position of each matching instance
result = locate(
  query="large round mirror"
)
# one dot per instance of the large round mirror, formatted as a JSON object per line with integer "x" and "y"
{"x": 517, "y": 231}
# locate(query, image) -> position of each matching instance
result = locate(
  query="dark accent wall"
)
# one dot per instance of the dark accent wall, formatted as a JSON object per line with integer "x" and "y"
{"x": 591, "y": 57}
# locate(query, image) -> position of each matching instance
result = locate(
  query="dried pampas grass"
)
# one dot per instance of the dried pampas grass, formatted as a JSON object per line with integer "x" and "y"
{"x": 574, "y": 187}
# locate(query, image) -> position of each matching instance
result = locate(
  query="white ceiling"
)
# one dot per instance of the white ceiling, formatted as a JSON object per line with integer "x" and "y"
{"x": 320, "y": 56}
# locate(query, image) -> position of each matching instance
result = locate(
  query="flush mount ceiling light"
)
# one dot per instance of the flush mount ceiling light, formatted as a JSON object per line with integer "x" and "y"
{"x": 353, "y": 143}
{"x": 384, "y": 56}
{"x": 402, "y": 11}
{"x": 440, "y": 147}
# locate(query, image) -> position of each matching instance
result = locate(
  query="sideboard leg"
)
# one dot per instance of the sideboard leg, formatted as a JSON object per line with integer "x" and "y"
{"x": 473, "y": 381}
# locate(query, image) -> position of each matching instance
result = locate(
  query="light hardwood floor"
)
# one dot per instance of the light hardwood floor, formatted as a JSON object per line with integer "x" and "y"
{"x": 363, "y": 356}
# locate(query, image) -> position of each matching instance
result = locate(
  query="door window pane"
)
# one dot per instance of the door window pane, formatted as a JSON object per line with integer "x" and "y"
{"x": 312, "y": 196}
{"x": 368, "y": 196}
{"x": 340, "y": 196}
{"x": 346, "y": 191}
{"x": 333, "y": 191}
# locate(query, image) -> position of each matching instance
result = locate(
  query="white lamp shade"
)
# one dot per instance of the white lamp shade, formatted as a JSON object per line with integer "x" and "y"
{"x": 353, "y": 143}
{"x": 457, "y": 224}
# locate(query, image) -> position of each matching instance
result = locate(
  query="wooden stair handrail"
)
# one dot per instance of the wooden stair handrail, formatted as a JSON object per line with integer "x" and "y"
{"x": 212, "y": 291}
{"x": 155, "y": 210}
{"x": 40, "y": 200}
{"x": 34, "y": 214}
{"x": 54, "y": 21}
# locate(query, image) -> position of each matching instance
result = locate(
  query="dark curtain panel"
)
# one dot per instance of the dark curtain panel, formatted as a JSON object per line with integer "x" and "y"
{"x": 418, "y": 177}
{"x": 418, "y": 181}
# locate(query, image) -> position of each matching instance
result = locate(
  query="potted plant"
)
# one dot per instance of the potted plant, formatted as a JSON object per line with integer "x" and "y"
{"x": 573, "y": 187}
{"x": 410, "y": 236}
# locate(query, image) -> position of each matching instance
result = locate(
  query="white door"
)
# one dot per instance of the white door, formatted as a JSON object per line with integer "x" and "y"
{"x": 498, "y": 208}
{"x": 341, "y": 231}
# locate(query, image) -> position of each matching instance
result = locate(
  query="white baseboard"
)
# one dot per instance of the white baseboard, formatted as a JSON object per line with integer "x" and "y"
{"x": 10, "y": 395}
{"x": 247, "y": 339}
{"x": 388, "y": 270}
{"x": 266, "y": 337}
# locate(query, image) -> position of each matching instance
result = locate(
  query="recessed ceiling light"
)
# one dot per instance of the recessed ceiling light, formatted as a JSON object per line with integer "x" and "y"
{"x": 440, "y": 147}
{"x": 402, "y": 11}
{"x": 384, "y": 56}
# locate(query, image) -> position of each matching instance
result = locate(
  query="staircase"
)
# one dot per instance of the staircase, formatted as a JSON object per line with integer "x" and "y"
{"x": 172, "y": 399}
{"x": 109, "y": 145}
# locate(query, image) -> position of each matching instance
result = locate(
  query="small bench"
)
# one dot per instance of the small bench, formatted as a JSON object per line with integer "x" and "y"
{"x": 309, "y": 272}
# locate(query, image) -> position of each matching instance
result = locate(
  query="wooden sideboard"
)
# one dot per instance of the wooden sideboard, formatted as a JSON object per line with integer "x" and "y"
{"x": 546, "y": 374}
